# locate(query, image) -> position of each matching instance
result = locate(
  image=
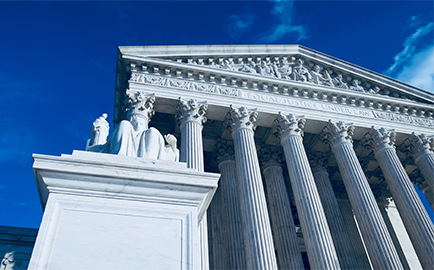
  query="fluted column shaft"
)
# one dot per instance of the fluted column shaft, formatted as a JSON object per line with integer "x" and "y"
{"x": 230, "y": 207}
{"x": 316, "y": 233}
{"x": 257, "y": 232}
{"x": 374, "y": 231}
{"x": 413, "y": 213}
{"x": 354, "y": 235}
{"x": 420, "y": 147}
{"x": 190, "y": 117}
{"x": 383, "y": 205}
{"x": 285, "y": 236}
{"x": 341, "y": 239}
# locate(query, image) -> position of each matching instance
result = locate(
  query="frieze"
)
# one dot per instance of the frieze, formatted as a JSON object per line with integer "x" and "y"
{"x": 297, "y": 69}
{"x": 159, "y": 80}
{"x": 183, "y": 84}
{"x": 339, "y": 109}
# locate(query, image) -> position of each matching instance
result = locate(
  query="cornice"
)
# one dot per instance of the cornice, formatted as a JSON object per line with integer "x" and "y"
{"x": 203, "y": 54}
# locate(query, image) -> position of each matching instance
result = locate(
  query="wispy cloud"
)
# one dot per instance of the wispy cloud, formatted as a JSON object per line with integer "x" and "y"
{"x": 284, "y": 26}
{"x": 414, "y": 64}
{"x": 419, "y": 71}
{"x": 239, "y": 24}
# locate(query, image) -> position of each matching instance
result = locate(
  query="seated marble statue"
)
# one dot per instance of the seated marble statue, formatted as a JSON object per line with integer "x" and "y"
{"x": 133, "y": 137}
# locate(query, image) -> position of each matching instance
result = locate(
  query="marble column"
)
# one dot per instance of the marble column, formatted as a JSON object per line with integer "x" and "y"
{"x": 413, "y": 213}
{"x": 353, "y": 232}
{"x": 230, "y": 207}
{"x": 420, "y": 147}
{"x": 316, "y": 232}
{"x": 257, "y": 232}
{"x": 279, "y": 205}
{"x": 341, "y": 239}
{"x": 190, "y": 117}
{"x": 382, "y": 205}
{"x": 417, "y": 178}
{"x": 373, "y": 229}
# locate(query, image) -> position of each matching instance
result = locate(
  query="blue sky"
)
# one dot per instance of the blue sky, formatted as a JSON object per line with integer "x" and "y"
{"x": 58, "y": 59}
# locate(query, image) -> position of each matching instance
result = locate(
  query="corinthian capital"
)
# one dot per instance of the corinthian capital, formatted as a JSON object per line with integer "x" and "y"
{"x": 139, "y": 103}
{"x": 318, "y": 160}
{"x": 241, "y": 118}
{"x": 223, "y": 150}
{"x": 270, "y": 155}
{"x": 191, "y": 111}
{"x": 418, "y": 145}
{"x": 288, "y": 125}
{"x": 335, "y": 133}
{"x": 379, "y": 139}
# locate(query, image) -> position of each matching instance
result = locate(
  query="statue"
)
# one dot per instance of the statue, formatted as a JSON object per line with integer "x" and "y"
{"x": 338, "y": 82}
{"x": 300, "y": 72}
{"x": 318, "y": 78}
{"x": 133, "y": 137}
{"x": 356, "y": 86}
{"x": 100, "y": 131}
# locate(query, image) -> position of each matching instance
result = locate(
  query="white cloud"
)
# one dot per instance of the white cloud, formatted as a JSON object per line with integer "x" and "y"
{"x": 239, "y": 24}
{"x": 284, "y": 26}
{"x": 419, "y": 70}
{"x": 415, "y": 63}
{"x": 411, "y": 45}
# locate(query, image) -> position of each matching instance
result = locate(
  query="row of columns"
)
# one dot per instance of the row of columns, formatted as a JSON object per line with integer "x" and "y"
{"x": 250, "y": 243}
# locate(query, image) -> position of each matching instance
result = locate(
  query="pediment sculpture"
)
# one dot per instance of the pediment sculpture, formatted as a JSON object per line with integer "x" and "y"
{"x": 296, "y": 70}
{"x": 132, "y": 137}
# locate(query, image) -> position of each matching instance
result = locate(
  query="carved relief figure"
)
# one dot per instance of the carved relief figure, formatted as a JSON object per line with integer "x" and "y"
{"x": 285, "y": 70}
{"x": 300, "y": 72}
{"x": 338, "y": 82}
{"x": 375, "y": 90}
{"x": 133, "y": 137}
{"x": 356, "y": 86}
{"x": 249, "y": 68}
{"x": 265, "y": 70}
{"x": 318, "y": 78}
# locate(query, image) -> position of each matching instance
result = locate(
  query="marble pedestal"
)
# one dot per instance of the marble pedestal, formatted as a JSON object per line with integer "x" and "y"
{"x": 106, "y": 211}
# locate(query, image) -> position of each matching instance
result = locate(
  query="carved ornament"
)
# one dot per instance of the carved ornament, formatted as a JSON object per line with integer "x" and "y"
{"x": 380, "y": 139}
{"x": 288, "y": 125}
{"x": 339, "y": 132}
{"x": 191, "y": 111}
{"x": 241, "y": 118}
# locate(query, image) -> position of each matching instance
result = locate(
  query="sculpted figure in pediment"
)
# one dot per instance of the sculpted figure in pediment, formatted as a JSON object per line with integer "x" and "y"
{"x": 318, "y": 78}
{"x": 375, "y": 90}
{"x": 265, "y": 70}
{"x": 300, "y": 72}
{"x": 249, "y": 68}
{"x": 356, "y": 86}
{"x": 338, "y": 82}
{"x": 133, "y": 137}
{"x": 284, "y": 70}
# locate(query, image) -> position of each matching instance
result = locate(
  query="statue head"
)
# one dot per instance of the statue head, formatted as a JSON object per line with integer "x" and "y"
{"x": 139, "y": 108}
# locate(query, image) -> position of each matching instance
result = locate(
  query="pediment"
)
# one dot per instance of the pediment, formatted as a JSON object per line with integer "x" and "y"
{"x": 269, "y": 67}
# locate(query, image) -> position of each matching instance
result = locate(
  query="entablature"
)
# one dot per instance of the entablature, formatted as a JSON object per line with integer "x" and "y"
{"x": 173, "y": 76}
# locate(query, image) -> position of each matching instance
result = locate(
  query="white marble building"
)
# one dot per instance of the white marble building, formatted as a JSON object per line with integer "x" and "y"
{"x": 318, "y": 157}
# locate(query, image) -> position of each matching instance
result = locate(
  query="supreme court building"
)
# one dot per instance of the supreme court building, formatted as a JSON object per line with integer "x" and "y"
{"x": 318, "y": 159}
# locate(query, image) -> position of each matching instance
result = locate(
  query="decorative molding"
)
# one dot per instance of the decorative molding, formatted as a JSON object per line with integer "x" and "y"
{"x": 288, "y": 125}
{"x": 418, "y": 145}
{"x": 241, "y": 118}
{"x": 271, "y": 155}
{"x": 336, "y": 133}
{"x": 191, "y": 111}
{"x": 223, "y": 151}
{"x": 318, "y": 160}
{"x": 380, "y": 139}
{"x": 183, "y": 84}
{"x": 312, "y": 99}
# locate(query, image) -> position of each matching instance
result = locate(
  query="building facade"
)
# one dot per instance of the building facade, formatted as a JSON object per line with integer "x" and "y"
{"x": 318, "y": 157}
{"x": 304, "y": 142}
